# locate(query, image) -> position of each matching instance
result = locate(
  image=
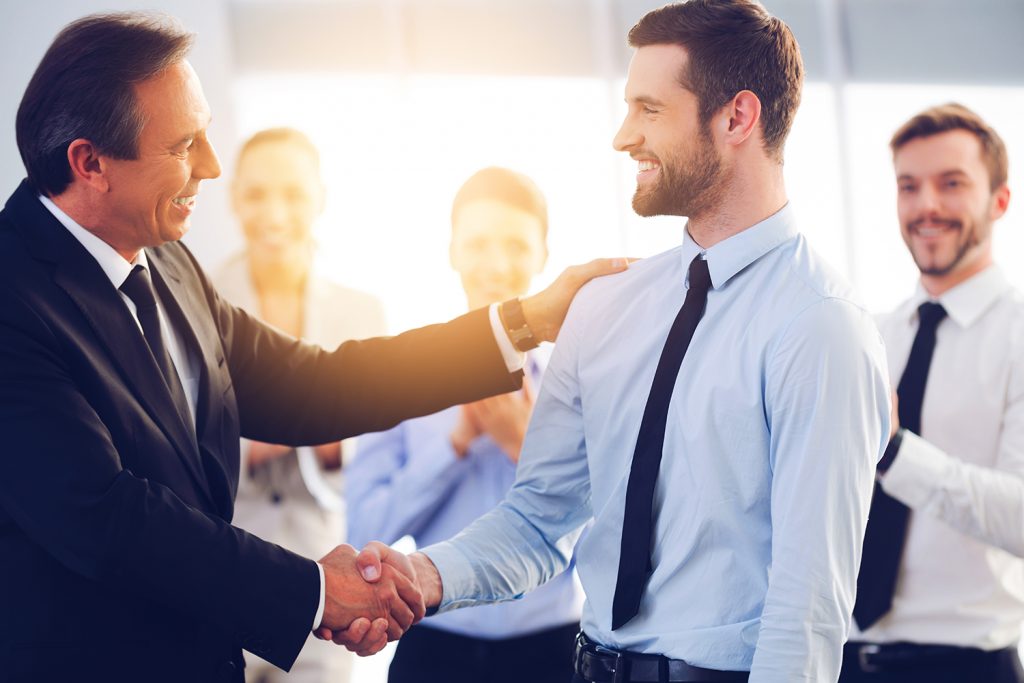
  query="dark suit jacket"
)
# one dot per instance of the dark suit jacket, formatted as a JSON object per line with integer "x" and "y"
{"x": 118, "y": 561}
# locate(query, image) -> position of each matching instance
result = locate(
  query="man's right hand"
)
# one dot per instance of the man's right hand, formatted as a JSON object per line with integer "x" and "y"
{"x": 374, "y": 562}
{"x": 392, "y": 601}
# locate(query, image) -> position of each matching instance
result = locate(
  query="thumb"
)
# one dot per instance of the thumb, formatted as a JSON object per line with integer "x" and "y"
{"x": 368, "y": 562}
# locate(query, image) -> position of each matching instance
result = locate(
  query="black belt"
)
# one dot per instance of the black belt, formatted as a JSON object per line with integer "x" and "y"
{"x": 600, "y": 664}
{"x": 900, "y": 656}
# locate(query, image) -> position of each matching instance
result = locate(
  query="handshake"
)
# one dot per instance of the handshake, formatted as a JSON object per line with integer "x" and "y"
{"x": 374, "y": 596}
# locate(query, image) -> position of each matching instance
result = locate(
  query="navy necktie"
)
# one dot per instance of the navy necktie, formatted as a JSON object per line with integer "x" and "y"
{"x": 139, "y": 288}
{"x": 637, "y": 524}
{"x": 887, "y": 522}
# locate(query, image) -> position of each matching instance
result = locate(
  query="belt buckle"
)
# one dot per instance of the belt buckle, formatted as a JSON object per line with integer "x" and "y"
{"x": 864, "y": 652}
{"x": 621, "y": 672}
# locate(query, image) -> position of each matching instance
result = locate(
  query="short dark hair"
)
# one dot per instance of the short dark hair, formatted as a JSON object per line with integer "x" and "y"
{"x": 954, "y": 116}
{"x": 282, "y": 134}
{"x": 84, "y": 87}
{"x": 505, "y": 186}
{"x": 733, "y": 45}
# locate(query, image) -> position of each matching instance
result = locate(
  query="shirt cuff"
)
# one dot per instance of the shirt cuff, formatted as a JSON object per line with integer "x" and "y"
{"x": 323, "y": 598}
{"x": 513, "y": 357}
{"x": 456, "y": 575}
{"x": 913, "y": 474}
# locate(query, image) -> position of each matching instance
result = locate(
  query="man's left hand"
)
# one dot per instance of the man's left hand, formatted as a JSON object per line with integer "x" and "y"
{"x": 545, "y": 310}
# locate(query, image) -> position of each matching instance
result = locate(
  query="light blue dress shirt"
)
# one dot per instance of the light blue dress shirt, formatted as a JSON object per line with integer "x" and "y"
{"x": 408, "y": 481}
{"x": 778, "y": 417}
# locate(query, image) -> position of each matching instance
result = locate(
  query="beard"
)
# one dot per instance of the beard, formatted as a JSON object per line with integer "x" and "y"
{"x": 686, "y": 186}
{"x": 931, "y": 261}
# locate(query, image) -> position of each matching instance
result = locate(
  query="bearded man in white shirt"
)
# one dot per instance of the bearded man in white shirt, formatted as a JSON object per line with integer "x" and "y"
{"x": 941, "y": 586}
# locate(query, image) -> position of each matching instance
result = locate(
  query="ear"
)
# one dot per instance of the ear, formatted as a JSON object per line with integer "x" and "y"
{"x": 742, "y": 116}
{"x": 88, "y": 165}
{"x": 1000, "y": 202}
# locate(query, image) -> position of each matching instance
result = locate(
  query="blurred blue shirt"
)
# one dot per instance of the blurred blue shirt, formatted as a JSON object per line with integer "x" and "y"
{"x": 779, "y": 415}
{"x": 408, "y": 481}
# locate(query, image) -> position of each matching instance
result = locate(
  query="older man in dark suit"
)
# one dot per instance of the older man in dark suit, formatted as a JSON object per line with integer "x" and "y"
{"x": 125, "y": 382}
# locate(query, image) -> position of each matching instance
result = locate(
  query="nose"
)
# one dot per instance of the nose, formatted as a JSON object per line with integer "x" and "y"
{"x": 628, "y": 136}
{"x": 275, "y": 215}
{"x": 929, "y": 199}
{"x": 207, "y": 164}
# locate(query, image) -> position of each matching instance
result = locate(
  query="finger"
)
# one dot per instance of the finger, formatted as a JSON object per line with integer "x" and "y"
{"x": 412, "y": 596}
{"x": 368, "y": 561}
{"x": 396, "y": 560}
{"x": 375, "y": 640}
{"x": 596, "y": 268}
{"x": 353, "y": 636}
{"x": 400, "y": 618}
{"x": 324, "y": 633}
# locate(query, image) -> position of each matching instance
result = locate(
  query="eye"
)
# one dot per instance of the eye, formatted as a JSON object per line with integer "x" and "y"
{"x": 649, "y": 110}
{"x": 953, "y": 183}
{"x": 906, "y": 188}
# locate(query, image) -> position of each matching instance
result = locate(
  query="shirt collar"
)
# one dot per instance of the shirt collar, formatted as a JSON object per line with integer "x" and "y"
{"x": 966, "y": 302}
{"x": 112, "y": 263}
{"x": 732, "y": 255}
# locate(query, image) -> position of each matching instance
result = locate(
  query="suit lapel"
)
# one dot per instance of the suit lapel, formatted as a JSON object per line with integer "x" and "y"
{"x": 186, "y": 308}
{"x": 78, "y": 274}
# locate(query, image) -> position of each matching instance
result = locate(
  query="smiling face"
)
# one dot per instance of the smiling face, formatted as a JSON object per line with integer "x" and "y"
{"x": 496, "y": 249}
{"x": 152, "y": 197}
{"x": 277, "y": 195}
{"x": 946, "y": 205}
{"x": 680, "y": 172}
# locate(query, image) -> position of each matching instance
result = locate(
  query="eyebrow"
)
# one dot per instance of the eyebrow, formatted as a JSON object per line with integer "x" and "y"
{"x": 646, "y": 99}
{"x": 943, "y": 174}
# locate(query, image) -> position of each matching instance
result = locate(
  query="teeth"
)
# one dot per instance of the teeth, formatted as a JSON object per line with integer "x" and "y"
{"x": 647, "y": 165}
{"x": 184, "y": 201}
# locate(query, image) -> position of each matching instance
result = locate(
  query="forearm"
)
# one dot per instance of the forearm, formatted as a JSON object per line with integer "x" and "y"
{"x": 983, "y": 502}
{"x": 829, "y": 415}
{"x": 499, "y": 557}
{"x": 299, "y": 394}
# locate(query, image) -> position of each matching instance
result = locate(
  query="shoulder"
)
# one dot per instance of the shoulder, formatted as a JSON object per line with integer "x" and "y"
{"x": 612, "y": 291}
{"x": 806, "y": 274}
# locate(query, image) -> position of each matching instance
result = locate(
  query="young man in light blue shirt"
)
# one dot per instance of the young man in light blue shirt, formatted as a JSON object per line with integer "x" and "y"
{"x": 718, "y": 410}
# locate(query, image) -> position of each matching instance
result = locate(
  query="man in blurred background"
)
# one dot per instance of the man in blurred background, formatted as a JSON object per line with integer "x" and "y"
{"x": 432, "y": 476}
{"x": 285, "y": 495}
{"x": 941, "y": 587}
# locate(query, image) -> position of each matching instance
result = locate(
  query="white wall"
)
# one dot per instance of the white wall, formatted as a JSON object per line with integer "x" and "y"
{"x": 28, "y": 28}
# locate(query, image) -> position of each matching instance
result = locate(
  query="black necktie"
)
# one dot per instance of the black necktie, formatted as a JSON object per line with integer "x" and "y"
{"x": 139, "y": 288}
{"x": 887, "y": 521}
{"x": 635, "y": 552}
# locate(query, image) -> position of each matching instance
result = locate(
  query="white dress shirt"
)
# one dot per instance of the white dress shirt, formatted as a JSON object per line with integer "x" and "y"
{"x": 961, "y": 581}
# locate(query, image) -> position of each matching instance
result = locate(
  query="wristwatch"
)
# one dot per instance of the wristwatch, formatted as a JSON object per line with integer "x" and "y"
{"x": 515, "y": 325}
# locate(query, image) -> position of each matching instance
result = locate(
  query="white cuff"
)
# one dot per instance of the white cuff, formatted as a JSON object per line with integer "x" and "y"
{"x": 913, "y": 475}
{"x": 323, "y": 598}
{"x": 514, "y": 358}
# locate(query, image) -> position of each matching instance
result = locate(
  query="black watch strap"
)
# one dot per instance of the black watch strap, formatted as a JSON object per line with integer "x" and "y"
{"x": 515, "y": 325}
{"x": 890, "y": 451}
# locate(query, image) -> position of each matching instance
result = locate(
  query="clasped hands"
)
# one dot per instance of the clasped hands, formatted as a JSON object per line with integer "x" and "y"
{"x": 373, "y": 597}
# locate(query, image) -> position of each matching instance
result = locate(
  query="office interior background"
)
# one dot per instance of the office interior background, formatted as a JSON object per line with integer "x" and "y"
{"x": 406, "y": 98}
